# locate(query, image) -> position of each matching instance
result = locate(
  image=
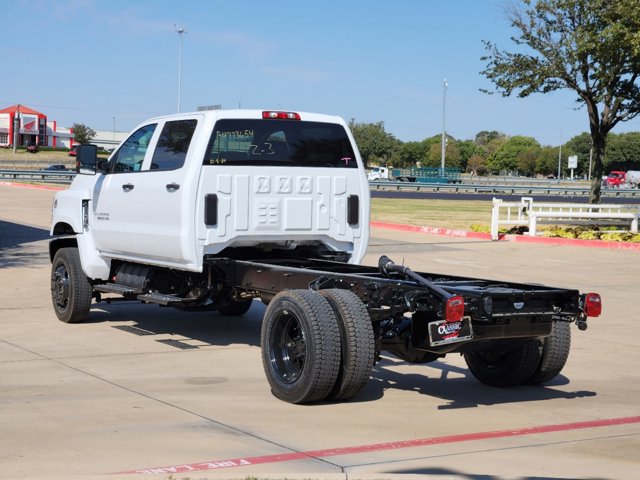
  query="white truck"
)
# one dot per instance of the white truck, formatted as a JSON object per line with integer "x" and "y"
{"x": 211, "y": 210}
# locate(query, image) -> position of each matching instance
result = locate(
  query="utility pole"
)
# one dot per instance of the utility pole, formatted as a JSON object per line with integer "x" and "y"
{"x": 444, "y": 128}
{"x": 179, "y": 31}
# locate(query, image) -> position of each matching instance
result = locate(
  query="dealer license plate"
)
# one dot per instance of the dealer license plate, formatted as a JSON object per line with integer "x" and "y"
{"x": 443, "y": 332}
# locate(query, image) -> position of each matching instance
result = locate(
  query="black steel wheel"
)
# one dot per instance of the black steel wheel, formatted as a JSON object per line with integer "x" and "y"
{"x": 504, "y": 368}
{"x": 554, "y": 352}
{"x": 71, "y": 291}
{"x": 300, "y": 343}
{"x": 357, "y": 340}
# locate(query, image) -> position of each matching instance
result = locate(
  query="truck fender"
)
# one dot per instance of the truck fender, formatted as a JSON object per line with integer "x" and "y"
{"x": 93, "y": 264}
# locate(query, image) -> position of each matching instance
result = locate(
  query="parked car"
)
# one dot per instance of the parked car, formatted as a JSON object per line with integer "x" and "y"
{"x": 32, "y": 148}
{"x": 72, "y": 152}
{"x": 56, "y": 166}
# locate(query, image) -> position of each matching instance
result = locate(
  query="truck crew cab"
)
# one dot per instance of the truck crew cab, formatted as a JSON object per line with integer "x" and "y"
{"x": 210, "y": 210}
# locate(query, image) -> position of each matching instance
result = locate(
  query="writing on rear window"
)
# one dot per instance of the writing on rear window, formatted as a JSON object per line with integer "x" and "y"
{"x": 280, "y": 143}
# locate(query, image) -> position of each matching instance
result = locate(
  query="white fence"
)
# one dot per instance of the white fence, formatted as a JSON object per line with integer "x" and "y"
{"x": 526, "y": 213}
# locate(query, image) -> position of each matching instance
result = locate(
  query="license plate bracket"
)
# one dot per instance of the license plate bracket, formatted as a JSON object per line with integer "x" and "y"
{"x": 443, "y": 332}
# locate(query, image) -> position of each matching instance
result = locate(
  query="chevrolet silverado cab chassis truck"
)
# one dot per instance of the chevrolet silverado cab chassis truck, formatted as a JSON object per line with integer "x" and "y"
{"x": 211, "y": 210}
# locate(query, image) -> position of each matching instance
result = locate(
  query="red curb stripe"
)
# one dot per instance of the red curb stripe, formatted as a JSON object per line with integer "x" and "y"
{"x": 30, "y": 185}
{"x": 572, "y": 242}
{"x": 377, "y": 447}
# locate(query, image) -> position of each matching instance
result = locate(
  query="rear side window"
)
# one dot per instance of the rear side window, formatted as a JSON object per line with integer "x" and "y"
{"x": 287, "y": 143}
{"x": 173, "y": 145}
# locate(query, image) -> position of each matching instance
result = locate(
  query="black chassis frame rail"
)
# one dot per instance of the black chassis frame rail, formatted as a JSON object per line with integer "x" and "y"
{"x": 400, "y": 306}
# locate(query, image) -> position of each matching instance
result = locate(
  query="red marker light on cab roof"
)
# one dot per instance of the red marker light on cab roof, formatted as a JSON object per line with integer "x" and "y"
{"x": 270, "y": 114}
{"x": 454, "y": 309}
{"x": 592, "y": 305}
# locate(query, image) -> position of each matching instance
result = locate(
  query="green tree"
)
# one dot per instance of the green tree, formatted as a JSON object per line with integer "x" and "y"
{"x": 513, "y": 153}
{"x": 623, "y": 152}
{"x": 467, "y": 149}
{"x": 547, "y": 161}
{"x": 476, "y": 165}
{"x": 82, "y": 134}
{"x": 589, "y": 46}
{"x": 451, "y": 154}
{"x": 485, "y": 137}
{"x": 410, "y": 153}
{"x": 374, "y": 143}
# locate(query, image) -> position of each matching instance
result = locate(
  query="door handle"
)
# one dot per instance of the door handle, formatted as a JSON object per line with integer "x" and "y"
{"x": 172, "y": 187}
{"x": 127, "y": 187}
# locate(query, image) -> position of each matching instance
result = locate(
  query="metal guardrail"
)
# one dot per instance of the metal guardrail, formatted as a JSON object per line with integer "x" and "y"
{"x": 515, "y": 188}
{"x": 39, "y": 176}
{"x": 497, "y": 189}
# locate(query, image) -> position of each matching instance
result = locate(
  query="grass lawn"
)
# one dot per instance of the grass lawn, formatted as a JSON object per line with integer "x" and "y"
{"x": 456, "y": 214}
{"x": 25, "y": 160}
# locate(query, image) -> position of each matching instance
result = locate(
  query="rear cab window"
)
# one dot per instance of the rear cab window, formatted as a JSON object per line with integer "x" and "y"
{"x": 285, "y": 143}
{"x": 173, "y": 144}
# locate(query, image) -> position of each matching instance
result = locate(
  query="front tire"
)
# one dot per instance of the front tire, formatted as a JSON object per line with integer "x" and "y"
{"x": 300, "y": 343}
{"x": 505, "y": 368}
{"x": 71, "y": 291}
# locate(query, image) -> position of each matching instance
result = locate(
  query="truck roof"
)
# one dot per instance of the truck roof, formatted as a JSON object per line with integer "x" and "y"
{"x": 253, "y": 113}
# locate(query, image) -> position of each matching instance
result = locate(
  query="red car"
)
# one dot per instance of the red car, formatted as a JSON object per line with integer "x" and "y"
{"x": 615, "y": 179}
{"x": 72, "y": 152}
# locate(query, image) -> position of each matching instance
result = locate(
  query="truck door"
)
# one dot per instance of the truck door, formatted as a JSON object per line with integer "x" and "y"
{"x": 116, "y": 193}
{"x": 164, "y": 219}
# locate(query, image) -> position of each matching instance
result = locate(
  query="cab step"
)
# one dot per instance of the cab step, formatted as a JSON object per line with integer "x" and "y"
{"x": 127, "y": 291}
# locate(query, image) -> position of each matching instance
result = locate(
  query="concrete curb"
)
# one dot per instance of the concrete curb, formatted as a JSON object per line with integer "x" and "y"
{"x": 567, "y": 242}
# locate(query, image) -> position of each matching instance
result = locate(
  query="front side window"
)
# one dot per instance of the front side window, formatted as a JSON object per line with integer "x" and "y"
{"x": 288, "y": 143}
{"x": 173, "y": 145}
{"x": 130, "y": 155}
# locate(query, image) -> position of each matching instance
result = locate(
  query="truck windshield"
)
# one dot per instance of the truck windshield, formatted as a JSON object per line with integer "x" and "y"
{"x": 290, "y": 143}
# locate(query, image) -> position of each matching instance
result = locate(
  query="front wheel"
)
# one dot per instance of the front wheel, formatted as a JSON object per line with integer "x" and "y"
{"x": 300, "y": 343}
{"x": 71, "y": 291}
{"x": 505, "y": 368}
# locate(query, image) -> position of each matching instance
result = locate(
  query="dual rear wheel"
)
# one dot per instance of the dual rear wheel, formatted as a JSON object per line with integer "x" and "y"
{"x": 317, "y": 346}
{"x": 532, "y": 363}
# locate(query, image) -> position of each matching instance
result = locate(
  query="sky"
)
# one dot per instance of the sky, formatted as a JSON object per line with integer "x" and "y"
{"x": 113, "y": 62}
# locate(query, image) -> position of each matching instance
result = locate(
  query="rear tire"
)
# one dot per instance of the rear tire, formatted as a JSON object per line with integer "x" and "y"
{"x": 357, "y": 340}
{"x": 71, "y": 291}
{"x": 300, "y": 343}
{"x": 505, "y": 369}
{"x": 554, "y": 351}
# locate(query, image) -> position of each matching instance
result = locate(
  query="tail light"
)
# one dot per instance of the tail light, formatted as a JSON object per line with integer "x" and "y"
{"x": 280, "y": 115}
{"x": 454, "y": 309}
{"x": 592, "y": 305}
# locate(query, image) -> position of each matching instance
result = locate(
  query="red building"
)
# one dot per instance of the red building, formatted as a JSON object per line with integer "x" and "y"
{"x": 30, "y": 126}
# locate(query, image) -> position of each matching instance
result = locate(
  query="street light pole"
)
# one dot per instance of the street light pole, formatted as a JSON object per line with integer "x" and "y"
{"x": 179, "y": 31}
{"x": 444, "y": 128}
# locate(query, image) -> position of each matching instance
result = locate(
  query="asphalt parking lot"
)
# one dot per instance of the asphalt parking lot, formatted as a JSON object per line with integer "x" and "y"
{"x": 146, "y": 392}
